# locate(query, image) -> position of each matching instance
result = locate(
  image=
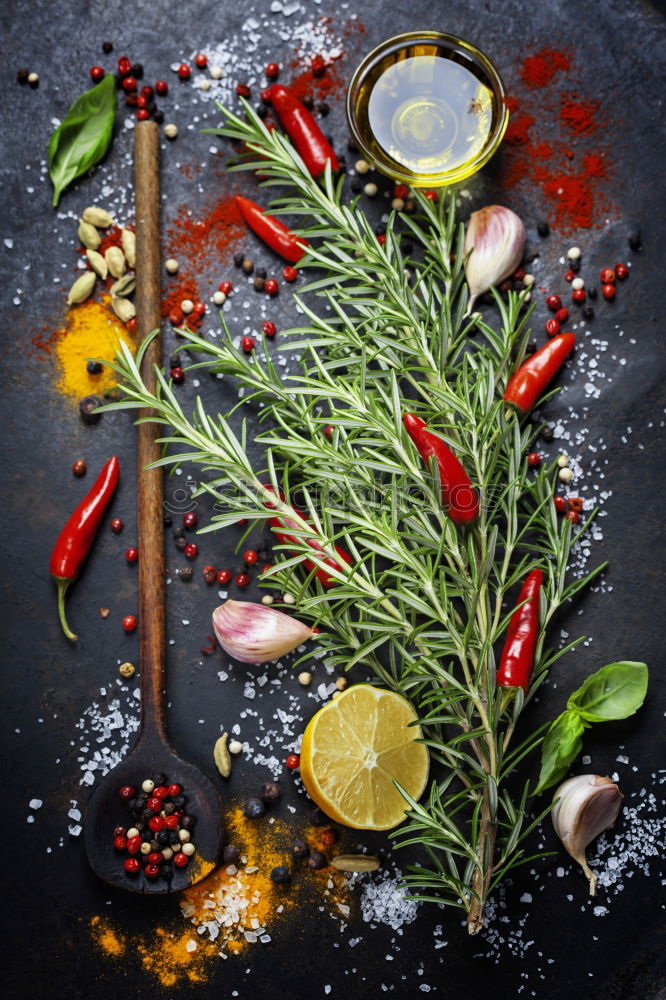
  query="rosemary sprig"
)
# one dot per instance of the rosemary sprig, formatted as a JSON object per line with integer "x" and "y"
{"x": 424, "y": 604}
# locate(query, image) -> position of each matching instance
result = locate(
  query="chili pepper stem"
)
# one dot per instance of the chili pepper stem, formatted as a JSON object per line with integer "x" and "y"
{"x": 63, "y": 584}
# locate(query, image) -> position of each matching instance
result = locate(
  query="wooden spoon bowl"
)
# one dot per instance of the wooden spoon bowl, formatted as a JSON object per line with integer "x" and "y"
{"x": 152, "y": 753}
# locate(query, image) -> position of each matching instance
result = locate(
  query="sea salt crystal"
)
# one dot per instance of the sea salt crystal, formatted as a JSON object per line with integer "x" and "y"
{"x": 35, "y": 803}
{"x": 9, "y": 243}
{"x": 191, "y": 945}
{"x": 75, "y": 830}
{"x": 74, "y": 814}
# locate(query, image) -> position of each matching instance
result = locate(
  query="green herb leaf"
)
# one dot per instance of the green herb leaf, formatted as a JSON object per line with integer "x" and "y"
{"x": 560, "y": 748}
{"x": 614, "y": 692}
{"x": 83, "y": 138}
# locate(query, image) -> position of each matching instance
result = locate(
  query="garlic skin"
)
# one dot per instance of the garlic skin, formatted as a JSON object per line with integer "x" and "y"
{"x": 256, "y": 633}
{"x": 584, "y": 807}
{"x": 496, "y": 238}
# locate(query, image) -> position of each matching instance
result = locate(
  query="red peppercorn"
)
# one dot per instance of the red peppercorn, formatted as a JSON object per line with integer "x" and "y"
{"x": 209, "y": 574}
{"x": 243, "y": 90}
{"x": 154, "y": 803}
{"x": 329, "y": 430}
{"x": 608, "y": 291}
{"x": 131, "y": 325}
{"x": 226, "y": 287}
{"x": 119, "y": 831}
{"x": 155, "y": 858}
{"x": 180, "y": 859}
{"x": 177, "y": 374}
{"x": 184, "y": 71}
{"x": 621, "y": 271}
{"x": 141, "y": 101}
{"x": 161, "y": 88}
{"x": 575, "y": 503}
{"x": 289, "y": 273}
{"x": 191, "y": 550}
{"x": 132, "y": 555}
{"x": 174, "y": 790}
{"x": 147, "y": 92}
{"x": 190, "y": 518}
{"x": 156, "y": 823}
{"x": 293, "y": 761}
{"x": 247, "y": 343}
{"x": 570, "y": 275}
{"x": 432, "y": 196}
{"x": 129, "y": 84}
{"x": 224, "y": 576}
{"x": 271, "y": 286}
{"x": 554, "y": 302}
{"x": 519, "y": 274}
{"x": 562, "y": 315}
{"x": 129, "y": 623}
{"x": 171, "y": 822}
{"x": 127, "y": 792}
{"x": 79, "y": 468}
{"x": 269, "y": 328}
{"x": 400, "y": 191}
{"x": 318, "y": 65}
{"x": 124, "y": 66}
{"x": 131, "y": 865}
{"x": 607, "y": 276}
{"x": 573, "y": 516}
{"x": 201, "y": 60}
{"x": 552, "y": 327}
{"x": 116, "y": 525}
{"x": 161, "y": 792}
{"x": 134, "y": 845}
{"x": 578, "y": 296}
{"x": 560, "y": 504}
{"x": 120, "y": 843}
{"x": 142, "y": 115}
{"x": 534, "y": 459}
{"x": 250, "y": 557}
{"x": 272, "y": 71}
{"x": 242, "y": 579}
{"x": 198, "y": 308}
{"x": 265, "y": 95}
{"x": 97, "y": 73}
{"x": 151, "y": 871}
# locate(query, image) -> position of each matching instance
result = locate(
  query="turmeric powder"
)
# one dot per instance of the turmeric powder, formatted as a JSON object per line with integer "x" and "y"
{"x": 91, "y": 331}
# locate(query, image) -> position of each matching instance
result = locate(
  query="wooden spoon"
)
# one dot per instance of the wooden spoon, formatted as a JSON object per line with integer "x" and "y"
{"x": 151, "y": 753}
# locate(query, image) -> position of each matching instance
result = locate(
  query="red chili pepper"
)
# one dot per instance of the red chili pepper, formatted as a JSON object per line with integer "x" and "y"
{"x": 517, "y": 660}
{"x": 309, "y": 140}
{"x": 458, "y": 494}
{"x": 272, "y": 231}
{"x": 343, "y": 557}
{"x": 77, "y": 536}
{"x": 529, "y": 382}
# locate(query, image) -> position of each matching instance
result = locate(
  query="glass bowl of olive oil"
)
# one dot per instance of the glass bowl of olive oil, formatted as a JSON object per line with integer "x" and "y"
{"x": 428, "y": 109}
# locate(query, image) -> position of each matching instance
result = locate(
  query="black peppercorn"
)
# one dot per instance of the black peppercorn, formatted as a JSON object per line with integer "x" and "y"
{"x": 163, "y": 838}
{"x": 506, "y": 286}
{"x": 87, "y": 406}
{"x": 180, "y": 543}
{"x": 22, "y": 76}
{"x": 231, "y": 855}
{"x": 356, "y": 186}
{"x": 169, "y": 808}
{"x": 238, "y": 259}
{"x": 173, "y": 837}
{"x": 137, "y": 71}
{"x": 543, "y": 229}
{"x": 317, "y": 861}
{"x": 518, "y": 286}
{"x": 281, "y": 875}
{"x": 323, "y": 109}
{"x": 107, "y": 47}
{"x": 587, "y": 312}
{"x": 147, "y": 814}
{"x": 574, "y": 265}
{"x": 258, "y": 284}
{"x": 94, "y": 368}
{"x": 185, "y": 573}
{"x": 158, "y": 116}
{"x": 300, "y": 849}
{"x": 635, "y": 242}
{"x": 158, "y": 779}
{"x": 592, "y": 293}
{"x": 260, "y": 272}
{"x": 248, "y": 266}
{"x": 139, "y": 825}
{"x": 155, "y": 844}
{"x": 179, "y": 801}
{"x": 119, "y": 80}
{"x": 168, "y": 520}
{"x": 318, "y": 818}
{"x": 254, "y": 808}
{"x": 166, "y": 870}
{"x": 187, "y": 822}
{"x": 308, "y": 101}
{"x": 261, "y": 110}
{"x": 141, "y": 799}
{"x": 547, "y": 433}
{"x": 342, "y": 163}
{"x": 179, "y": 531}
{"x": 269, "y": 792}
{"x": 531, "y": 347}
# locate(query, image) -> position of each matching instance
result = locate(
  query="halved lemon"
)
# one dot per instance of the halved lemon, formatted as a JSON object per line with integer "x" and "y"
{"x": 352, "y": 751}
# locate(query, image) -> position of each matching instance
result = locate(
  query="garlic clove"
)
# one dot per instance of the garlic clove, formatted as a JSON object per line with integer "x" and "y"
{"x": 257, "y": 633}
{"x": 584, "y": 807}
{"x": 495, "y": 241}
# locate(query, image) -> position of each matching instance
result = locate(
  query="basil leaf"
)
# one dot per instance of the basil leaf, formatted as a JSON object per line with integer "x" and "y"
{"x": 560, "y": 748}
{"x": 83, "y": 138}
{"x": 614, "y": 692}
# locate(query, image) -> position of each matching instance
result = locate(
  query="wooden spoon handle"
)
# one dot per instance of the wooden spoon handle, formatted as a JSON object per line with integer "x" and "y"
{"x": 150, "y": 511}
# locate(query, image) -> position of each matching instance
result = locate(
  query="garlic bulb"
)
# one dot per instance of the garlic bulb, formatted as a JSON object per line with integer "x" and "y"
{"x": 496, "y": 237}
{"x": 255, "y": 633}
{"x": 584, "y": 807}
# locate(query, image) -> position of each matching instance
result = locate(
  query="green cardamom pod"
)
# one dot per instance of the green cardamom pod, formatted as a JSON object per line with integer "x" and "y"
{"x": 97, "y": 263}
{"x": 82, "y": 288}
{"x": 124, "y": 309}
{"x": 356, "y": 863}
{"x": 88, "y": 235}
{"x": 128, "y": 240}
{"x": 124, "y": 286}
{"x": 115, "y": 260}
{"x": 221, "y": 756}
{"x": 97, "y": 217}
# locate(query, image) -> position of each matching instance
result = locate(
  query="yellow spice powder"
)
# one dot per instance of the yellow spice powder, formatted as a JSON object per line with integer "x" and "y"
{"x": 91, "y": 331}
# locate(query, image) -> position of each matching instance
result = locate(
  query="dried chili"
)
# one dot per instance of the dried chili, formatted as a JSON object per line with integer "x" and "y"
{"x": 281, "y": 522}
{"x": 517, "y": 660}
{"x": 77, "y": 536}
{"x": 458, "y": 495}
{"x": 309, "y": 140}
{"x": 534, "y": 375}
{"x": 273, "y": 232}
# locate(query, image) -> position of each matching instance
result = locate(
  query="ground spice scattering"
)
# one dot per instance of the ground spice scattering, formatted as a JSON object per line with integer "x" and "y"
{"x": 91, "y": 331}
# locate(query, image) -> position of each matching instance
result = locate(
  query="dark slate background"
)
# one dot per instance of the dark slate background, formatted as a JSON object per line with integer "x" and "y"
{"x": 49, "y": 898}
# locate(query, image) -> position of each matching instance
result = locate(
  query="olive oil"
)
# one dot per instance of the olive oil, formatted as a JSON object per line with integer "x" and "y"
{"x": 427, "y": 113}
